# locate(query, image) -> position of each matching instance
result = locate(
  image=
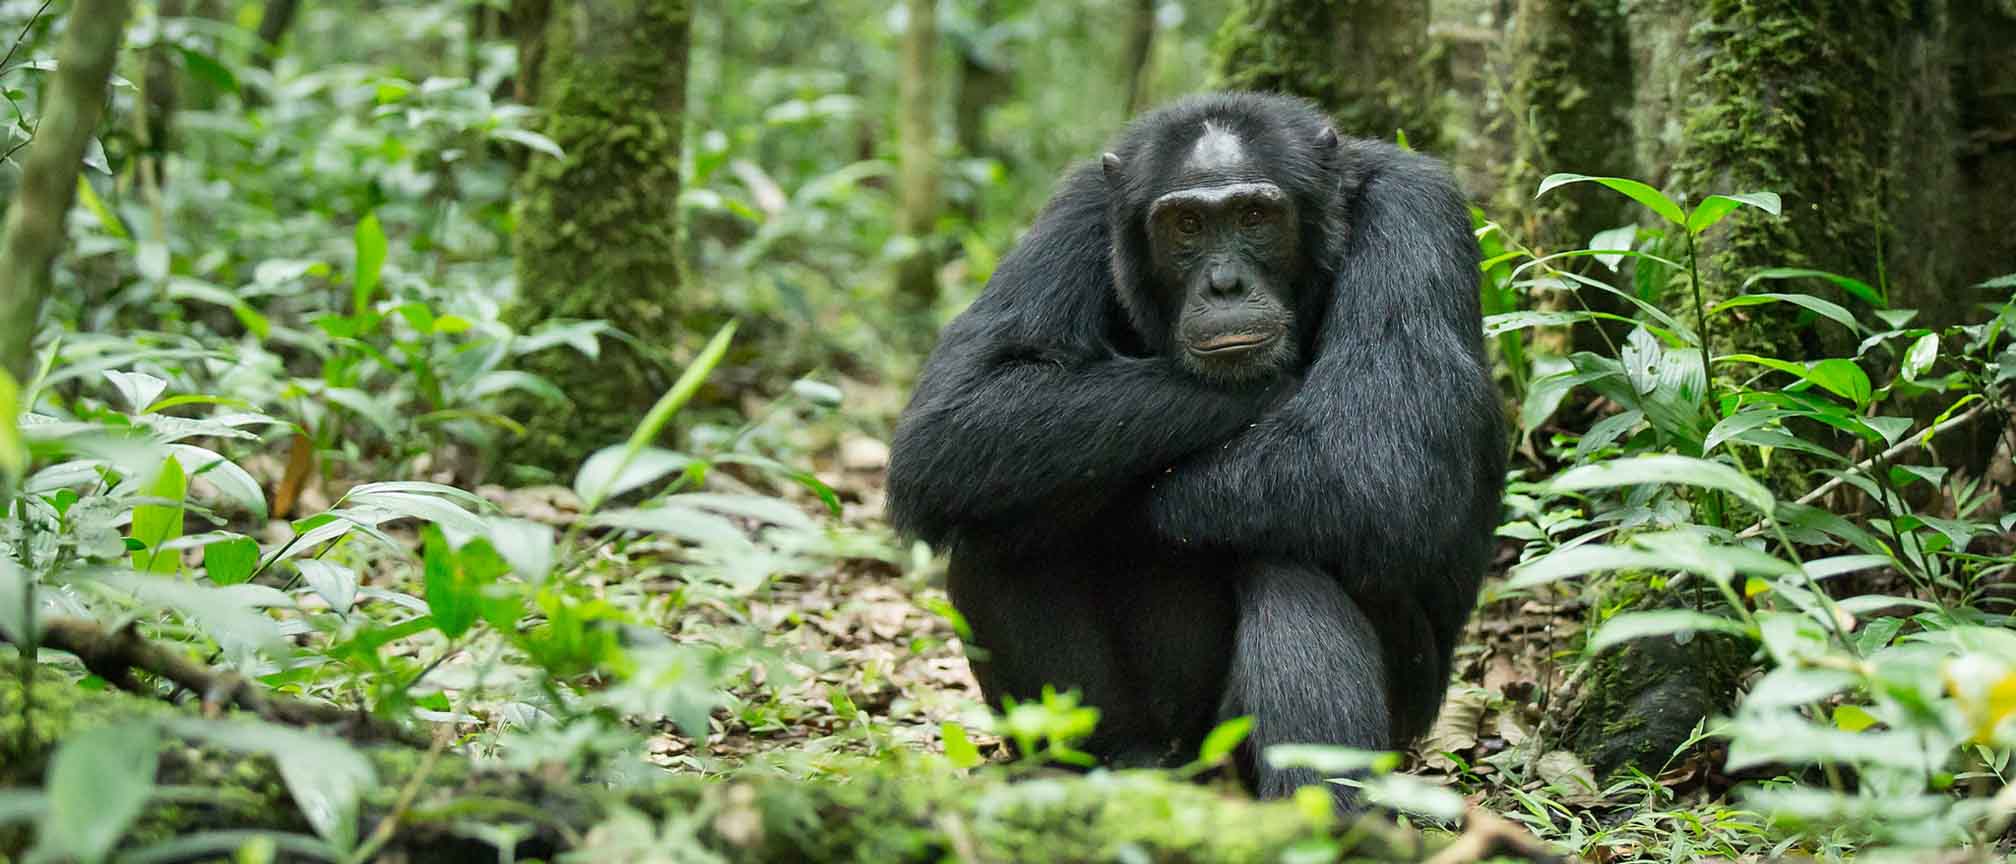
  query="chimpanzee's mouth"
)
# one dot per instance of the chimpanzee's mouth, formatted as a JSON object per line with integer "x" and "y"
{"x": 1232, "y": 343}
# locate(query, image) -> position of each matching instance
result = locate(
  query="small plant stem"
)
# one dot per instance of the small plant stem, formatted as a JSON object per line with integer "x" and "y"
{"x": 1717, "y": 509}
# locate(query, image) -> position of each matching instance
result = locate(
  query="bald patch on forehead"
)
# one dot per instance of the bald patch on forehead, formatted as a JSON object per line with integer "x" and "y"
{"x": 1216, "y": 150}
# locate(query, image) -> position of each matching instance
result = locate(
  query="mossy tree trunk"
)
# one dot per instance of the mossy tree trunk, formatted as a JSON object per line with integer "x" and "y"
{"x": 1364, "y": 61}
{"x": 1984, "y": 88}
{"x": 1813, "y": 101}
{"x": 34, "y": 226}
{"x": 1571, "y": 77}
{"x": 597, "y": 228}
{"x": 917, "y": 275}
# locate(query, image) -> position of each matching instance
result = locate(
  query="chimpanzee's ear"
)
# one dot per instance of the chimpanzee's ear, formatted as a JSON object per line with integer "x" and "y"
{"x": 1111, "y": 162}
{"x": 1326, "y": 143}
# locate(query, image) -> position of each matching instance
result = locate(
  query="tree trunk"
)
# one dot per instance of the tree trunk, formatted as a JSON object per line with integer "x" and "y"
{"x": 1803, "y": 99}
{"x": 34, "y": 226}
{"x": 1571, "y": 91}
{"x": 1140, "y": 50}
{"x": 1984, "y": 86}
{"x": 1364, "y": 61}
{"x": 597, "y": 228}
{"x": 274, "y": 22}
{"x": 917, "y": 275}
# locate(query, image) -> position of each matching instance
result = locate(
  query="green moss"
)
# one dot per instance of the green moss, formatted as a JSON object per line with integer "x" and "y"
{"x": 1367, "y": 62}
{"x": 596, "y": 230}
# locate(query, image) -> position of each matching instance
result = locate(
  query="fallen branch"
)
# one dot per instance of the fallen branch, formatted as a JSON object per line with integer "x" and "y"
{"x": 1487, "y": 836}
{"x": 114, "y": 655}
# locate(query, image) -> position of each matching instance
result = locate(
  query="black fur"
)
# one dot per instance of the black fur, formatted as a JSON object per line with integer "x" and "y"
{"x": 1304, "y": 550}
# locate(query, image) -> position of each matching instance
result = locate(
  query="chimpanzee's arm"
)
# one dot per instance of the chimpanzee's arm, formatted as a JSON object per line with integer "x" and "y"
{"x": 1390, "y": 457}
{"x": 1025, "y": 411}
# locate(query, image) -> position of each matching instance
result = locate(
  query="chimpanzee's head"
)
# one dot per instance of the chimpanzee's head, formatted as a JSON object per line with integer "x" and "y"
{"x": 1223, "y": 214}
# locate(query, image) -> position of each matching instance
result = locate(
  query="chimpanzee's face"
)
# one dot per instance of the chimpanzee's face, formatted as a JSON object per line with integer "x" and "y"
{"x": 1224, "y": 242}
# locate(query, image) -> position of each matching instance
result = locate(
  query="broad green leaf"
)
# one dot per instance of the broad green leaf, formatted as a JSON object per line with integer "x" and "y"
{"x": 1856, "y": 287}
{"x": 686, "y": 523}
{"x": 96, "y": 205}
{"x": 614, "y": 470}
{"x": 761, "y": 508}
{"x": 1715, "y": 208}
{"x": 335, "y": 584}
{"x": 1577, "y": 560}
{"x": 531, "y": 140}
{"x": 528, "y": 545}
{"x": 1330, "y": 761}
{"x": 452, "y": 600}
{"x": 1633, "y": 189}
{"x": 98, "y": 782}
{"x": 205, "y": 68}
{"x": 1224, "y": 739}
{"x": 1842, "y": 378}
{"x": 232, "y": 561}
{"x": 1666, "y": 468}
{"x": 156, "y": 524}
{"x": 13, "y": 449}
{"x": 370, "y": 239}
{"x": 1611, "y": 245}
{"x": 1411, "y": 794}
{"x": 234, "y": 482}
{"x": 958, "y": 748}
{"x": 1827, "y": 309}
{"x": 1661, "y": 622}
{"x": 16, "y": 625}
{"x": 817, "y": 392}
{"x": 138, "y": 389}
{"x": 1507, "y": 322}
{"x": 1922, "y": 355}
{"x": 431, "y": 508}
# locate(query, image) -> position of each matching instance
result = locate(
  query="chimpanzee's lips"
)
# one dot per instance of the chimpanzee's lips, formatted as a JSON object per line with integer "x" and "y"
{"x": 1230, "y": 343}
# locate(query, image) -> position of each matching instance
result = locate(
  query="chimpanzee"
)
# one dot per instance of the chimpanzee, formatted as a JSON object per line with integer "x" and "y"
{"x": 1219, "y": 439}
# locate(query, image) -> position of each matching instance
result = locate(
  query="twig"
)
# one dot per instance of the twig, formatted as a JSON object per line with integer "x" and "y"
{"x": 114, "y": 656}
{"x": 1913, "y": 443}
{"x": 1488, "y": 836}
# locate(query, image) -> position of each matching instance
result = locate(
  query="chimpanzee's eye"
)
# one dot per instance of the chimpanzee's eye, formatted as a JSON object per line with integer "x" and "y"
{"x": 1252, "y": 218}
{"x": 1188, "y": 223}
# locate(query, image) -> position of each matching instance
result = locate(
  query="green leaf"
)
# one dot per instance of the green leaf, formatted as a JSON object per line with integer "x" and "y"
{"x": 1612, "y": 244}
{"x": 1666, "y": 469}
{"x": 614, "y": 470}
{"x": 1662, "y": 622}
{"x": 1223, "y": 739}
{"x": 234, "y": 482}
{"x": 1715, "y": 208}
{"x": 334, "y": 583}
{"x": 232, "y": 561}
{"x": 206, "y": 69}
{"x": 528, "y": 545}
{"x": 1827, "y": 309}
{"x": 13, "y": 449}
{"x": 531, "y": 140}
{"x": 156, "y": 524}
{"x": 138, "y": 389}
{"x": 1842, "y": 378}
{"x": 98, "y": 782}
{"x": 661, "y": 413}
{"x": 1633, "y": 189}
{"x": 1577, "y": 560}
{"x": 958, "y": 747}
{"x": 106, "y": 219}
{"x": 451, "y": 600}
{"x": 17, "y": 625}
{"x": 1922, "y": 355}
{"x": 370, "y": 239}
{"x": 1856, "y": 287}
{"x": 1507, "y": 322}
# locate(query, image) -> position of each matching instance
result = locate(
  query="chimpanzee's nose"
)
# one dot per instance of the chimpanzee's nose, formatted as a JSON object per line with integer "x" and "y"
{"x": 1225, "y": 281}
